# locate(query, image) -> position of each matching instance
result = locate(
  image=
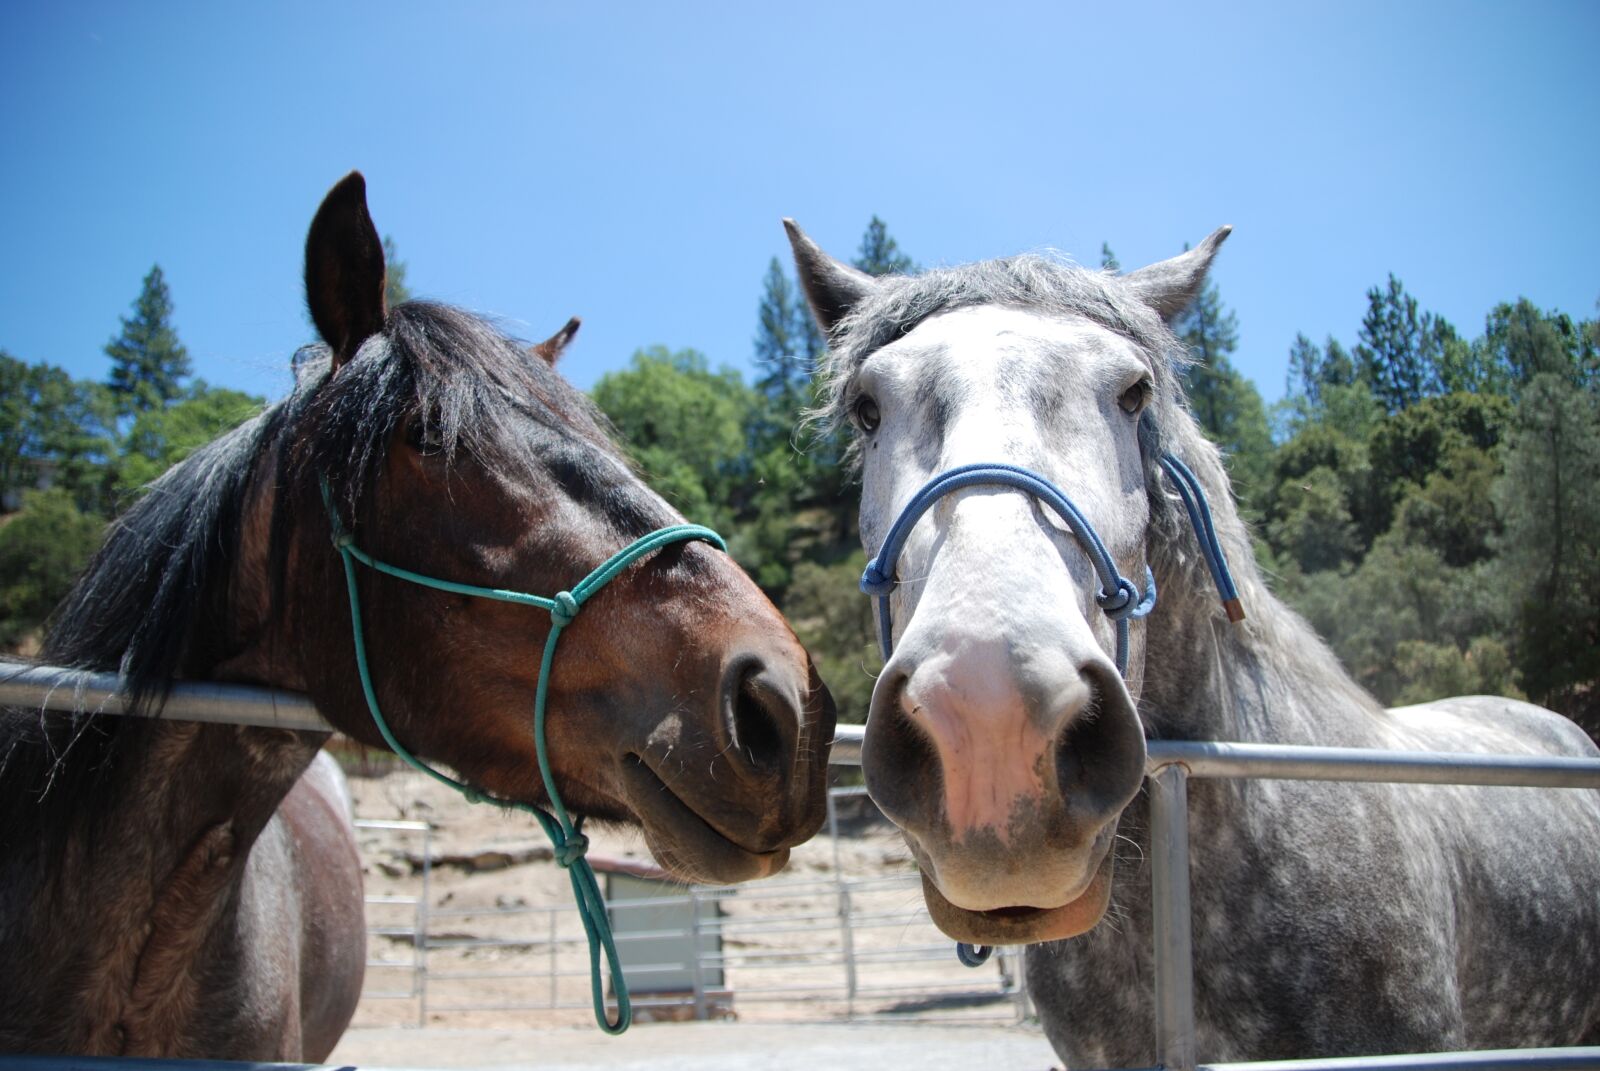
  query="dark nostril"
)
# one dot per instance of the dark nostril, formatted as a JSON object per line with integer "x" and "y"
{"x": 1100, "y": 753}
{"x": 758, "y": 719}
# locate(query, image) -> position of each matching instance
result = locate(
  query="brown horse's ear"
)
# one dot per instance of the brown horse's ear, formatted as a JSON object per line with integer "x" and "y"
{"x": 549, "y": 351}
{"x": 1171, "y": 286}
{"x": 832, "y": 288}
{"x": 344, "y": 270}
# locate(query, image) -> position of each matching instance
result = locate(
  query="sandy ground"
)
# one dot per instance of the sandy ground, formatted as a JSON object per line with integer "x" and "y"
{"x": 863, "y": 1046}
{"x": 491, "y": 962}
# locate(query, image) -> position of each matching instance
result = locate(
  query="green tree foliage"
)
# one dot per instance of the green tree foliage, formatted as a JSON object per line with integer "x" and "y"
{"x": 160, "y": 438}
{"x": 56, "y": 430}
{"x": 1549, "y": 554}
{"x": 1108, "y": 259}
{"x": 395, "y": 291}
{"x": 147, "y": 360}
{"x": 686, "y": 426}
{"x": 1227, "y": 404}
{"x": 880, "y": 254}
{"x": 1402, "y": 351}
{"x": 42, "y": 550}
{"x": 781, "y": 349}
{"x": 834, "y": 621}
{"x": 1521, "y": 342}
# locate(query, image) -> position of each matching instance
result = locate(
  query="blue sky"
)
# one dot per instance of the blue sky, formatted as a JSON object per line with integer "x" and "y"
{"x": 630, "y": 163}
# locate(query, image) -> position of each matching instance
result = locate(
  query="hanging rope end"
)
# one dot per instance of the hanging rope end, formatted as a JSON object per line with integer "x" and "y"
{"x": 1234, "y": 609}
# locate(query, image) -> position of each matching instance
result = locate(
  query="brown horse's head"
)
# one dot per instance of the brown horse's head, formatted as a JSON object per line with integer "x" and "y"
{"x": 1002, "y": 738}
{"x": 678, "y": 698}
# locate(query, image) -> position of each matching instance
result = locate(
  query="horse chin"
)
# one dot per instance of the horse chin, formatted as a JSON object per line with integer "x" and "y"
{"x": 1022, "y": 925}
{"x": 684, "y": 843}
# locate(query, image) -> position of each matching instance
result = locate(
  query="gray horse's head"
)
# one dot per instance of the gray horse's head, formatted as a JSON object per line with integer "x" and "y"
{"x": 1001, "y": 738}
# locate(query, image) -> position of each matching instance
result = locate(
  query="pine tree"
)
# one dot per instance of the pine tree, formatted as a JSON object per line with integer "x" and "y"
{"x": 1211, "y": 333}
{"x": 1549, "y": 561}
{"x": 780, "y": 348}
{"x": 147, "y": 359}
{"x": 1108, "y": 259}
{"x": 395, "y": 290}
{"x": 1227, "y": 404}
{"x": 1402, "y": 350}
{"x": 880, "y": 254}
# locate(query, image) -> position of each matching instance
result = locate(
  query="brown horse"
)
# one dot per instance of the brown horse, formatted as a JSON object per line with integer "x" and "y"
{"x": 179, "y": 889}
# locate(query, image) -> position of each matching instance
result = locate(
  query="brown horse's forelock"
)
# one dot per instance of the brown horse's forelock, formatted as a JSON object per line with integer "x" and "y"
{"x": 150, "y": 604}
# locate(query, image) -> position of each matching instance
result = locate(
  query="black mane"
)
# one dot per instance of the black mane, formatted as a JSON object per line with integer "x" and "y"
{"x": 151, "y": 604}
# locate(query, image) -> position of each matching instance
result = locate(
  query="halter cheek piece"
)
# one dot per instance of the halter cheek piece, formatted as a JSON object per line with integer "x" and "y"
{"x": 1118, "y": 596}
{"x": 570, "y": 845}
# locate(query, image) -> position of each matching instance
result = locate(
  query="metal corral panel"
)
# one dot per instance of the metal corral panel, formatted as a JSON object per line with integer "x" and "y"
{"x": 657, "y": 940}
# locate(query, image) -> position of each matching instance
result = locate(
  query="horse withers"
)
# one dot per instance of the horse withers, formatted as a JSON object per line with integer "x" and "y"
{"x": 1007, "y": 745}
{"x": 188, "y": 890}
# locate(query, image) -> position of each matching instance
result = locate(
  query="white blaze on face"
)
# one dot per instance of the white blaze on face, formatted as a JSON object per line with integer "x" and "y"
{"x": 994, "y": 611}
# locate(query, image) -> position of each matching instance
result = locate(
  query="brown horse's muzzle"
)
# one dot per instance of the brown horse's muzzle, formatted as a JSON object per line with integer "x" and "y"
{"x": 723, "y": 792}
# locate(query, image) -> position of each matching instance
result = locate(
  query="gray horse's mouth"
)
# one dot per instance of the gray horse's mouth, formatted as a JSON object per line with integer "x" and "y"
{"x": 1022, "y": 925}
{"x": 682, "y": 841}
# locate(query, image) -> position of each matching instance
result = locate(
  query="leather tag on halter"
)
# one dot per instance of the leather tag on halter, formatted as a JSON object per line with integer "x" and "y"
{"x": 1235, "y": 610}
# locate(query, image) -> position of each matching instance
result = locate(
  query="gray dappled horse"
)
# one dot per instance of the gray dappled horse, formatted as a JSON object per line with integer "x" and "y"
{"x": 1329, "y": 919}
{"x": 187, "y": 890}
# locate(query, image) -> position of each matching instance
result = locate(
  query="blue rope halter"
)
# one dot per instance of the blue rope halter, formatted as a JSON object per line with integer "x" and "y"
{"x": 1118, "y": 596}
{"x": 570, "y": 845}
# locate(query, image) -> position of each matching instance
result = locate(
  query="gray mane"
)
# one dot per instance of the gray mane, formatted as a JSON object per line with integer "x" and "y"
{"x": 1048, "y": 285}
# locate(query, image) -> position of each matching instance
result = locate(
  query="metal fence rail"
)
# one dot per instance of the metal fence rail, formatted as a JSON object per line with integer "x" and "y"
{"x": 1170, "y": 766}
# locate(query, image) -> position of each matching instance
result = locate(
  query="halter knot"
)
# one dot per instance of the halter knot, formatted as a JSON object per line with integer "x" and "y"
{"x": 1121, "y": 603}
{"x": 873, "y": 582}
{"x": 574, "y": 848}
{"x": 564, "y": 610}
{"x": 343, "y": 540}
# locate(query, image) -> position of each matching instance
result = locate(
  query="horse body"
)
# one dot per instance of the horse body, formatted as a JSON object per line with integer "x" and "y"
{"x": 203, "y": 900}
{"x": 187, "y": 890}
{"x": 1329, "y": 919}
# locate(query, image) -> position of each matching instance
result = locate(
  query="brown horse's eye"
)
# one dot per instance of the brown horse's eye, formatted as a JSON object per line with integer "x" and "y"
{"x": 424, "y": 436}
{"x": 1135, "y": 398}
{"x": 867, "y": 415}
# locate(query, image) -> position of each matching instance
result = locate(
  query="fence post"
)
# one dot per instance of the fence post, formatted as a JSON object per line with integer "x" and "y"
{"x": 699, "y": 973}
{"x": 1169, "y": 894}
{"x": 423, "y": 904}
{"x": 847, "y": 940}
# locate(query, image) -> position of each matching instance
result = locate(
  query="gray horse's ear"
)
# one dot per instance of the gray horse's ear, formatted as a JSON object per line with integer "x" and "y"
{"x": 832, "y": 288}
{"x": 549, "y": 351}
{"x": 1171, "y": 286}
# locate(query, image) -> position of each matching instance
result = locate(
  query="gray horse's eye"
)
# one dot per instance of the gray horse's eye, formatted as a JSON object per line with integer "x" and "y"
{"x": 1135, "y": 398}
{"x": 867, "y": 415}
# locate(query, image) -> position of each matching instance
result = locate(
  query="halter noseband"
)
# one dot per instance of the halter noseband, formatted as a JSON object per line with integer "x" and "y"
{"x": 569, "y": 844}
{"x": 1118, "y": 596}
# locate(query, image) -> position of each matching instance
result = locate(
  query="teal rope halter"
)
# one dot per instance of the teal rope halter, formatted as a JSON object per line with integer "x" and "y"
{"x": 569, "y": 844}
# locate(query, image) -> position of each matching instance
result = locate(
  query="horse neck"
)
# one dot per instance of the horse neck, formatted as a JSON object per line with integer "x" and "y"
{"x": 1268, "y": 678}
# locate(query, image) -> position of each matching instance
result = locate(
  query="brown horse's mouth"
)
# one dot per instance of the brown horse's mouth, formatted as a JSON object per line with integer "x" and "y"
{"x": 682, "y": 841}
{"x": 1022, "y": 925}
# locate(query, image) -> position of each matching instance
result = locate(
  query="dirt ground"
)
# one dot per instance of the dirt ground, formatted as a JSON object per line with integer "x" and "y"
{"x": 861, "y": 1046}
{"x": 505, "y": 949}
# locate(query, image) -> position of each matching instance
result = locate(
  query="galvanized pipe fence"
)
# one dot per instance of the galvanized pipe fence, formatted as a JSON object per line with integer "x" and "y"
{"x": 844, "y": 944}
{"x": 1170, "y": 766}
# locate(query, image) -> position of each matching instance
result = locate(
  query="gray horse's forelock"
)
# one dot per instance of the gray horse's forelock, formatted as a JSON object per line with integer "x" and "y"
{"x": 1044, "y": 283}
{"x": 1049, "y": 285}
